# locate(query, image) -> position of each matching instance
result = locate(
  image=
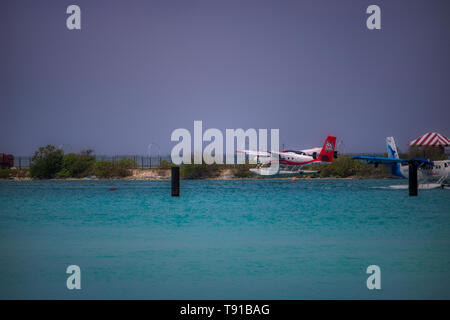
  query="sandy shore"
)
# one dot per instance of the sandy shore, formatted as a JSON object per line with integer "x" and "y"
{"x": 164, "y": 174}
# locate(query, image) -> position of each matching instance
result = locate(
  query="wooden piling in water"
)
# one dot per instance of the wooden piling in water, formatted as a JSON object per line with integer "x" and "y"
{"x": 412, "y": 175}
{"x": 175, "y": 181}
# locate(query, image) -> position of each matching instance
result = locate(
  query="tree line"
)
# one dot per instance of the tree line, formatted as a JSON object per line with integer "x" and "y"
{"x": 50, "y": 162}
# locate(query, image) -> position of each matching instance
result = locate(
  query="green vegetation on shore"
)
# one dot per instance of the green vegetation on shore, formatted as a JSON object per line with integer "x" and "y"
{"x": 46, "y": 162}
{"x": 345, "y": 166}
{"x": 212, "y": 171}
{"x": 49, "y": 162}
{"x": 110, "y": 169}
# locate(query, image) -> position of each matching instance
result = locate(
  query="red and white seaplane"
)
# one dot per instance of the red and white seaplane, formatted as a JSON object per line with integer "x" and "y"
{"x": 291, "y": 162}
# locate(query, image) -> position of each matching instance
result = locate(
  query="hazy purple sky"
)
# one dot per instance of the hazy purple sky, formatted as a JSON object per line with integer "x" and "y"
{"x": 140, "y": 69}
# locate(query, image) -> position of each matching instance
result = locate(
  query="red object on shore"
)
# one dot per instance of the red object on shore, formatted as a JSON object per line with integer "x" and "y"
{"x": 6, "y": 160}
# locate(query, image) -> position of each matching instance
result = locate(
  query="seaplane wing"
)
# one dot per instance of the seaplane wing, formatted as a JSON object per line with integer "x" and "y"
{"x": 255, "y": 153}
{"x": 379, "y": 160}
{"x": 382, "y": 160}
{"x": 393, "y": 157}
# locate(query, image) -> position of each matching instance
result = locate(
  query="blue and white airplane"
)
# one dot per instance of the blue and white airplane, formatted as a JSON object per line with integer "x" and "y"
{"x": 435, "y": 171}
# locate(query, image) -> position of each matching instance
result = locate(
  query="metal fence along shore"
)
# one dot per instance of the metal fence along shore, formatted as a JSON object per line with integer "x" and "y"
{"x": 143, "y": 162}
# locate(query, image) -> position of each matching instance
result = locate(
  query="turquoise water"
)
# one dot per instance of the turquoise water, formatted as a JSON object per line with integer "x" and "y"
{"x": 241, "y": 239}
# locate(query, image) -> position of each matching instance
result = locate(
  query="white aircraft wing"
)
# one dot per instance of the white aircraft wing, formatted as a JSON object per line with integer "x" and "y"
{"x": 312, "y": 150}
{"x": 255, "y": 153}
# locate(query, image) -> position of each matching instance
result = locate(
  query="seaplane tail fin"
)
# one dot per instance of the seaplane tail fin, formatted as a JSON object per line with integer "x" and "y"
{"x": 393, "y": 154}
{"x": 327, "y": 152}
{"x": 391, "y": 148}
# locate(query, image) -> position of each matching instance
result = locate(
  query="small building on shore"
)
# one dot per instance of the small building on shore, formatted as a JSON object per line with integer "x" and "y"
{"x": 431, "y": 145}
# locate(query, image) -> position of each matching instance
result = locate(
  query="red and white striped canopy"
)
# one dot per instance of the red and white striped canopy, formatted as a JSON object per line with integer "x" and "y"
{"x": 431, "y": 139}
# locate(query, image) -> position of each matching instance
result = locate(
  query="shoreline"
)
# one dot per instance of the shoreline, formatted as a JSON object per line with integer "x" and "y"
{"x": 202, "y": 179}
{"x": 160, "y": 174}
